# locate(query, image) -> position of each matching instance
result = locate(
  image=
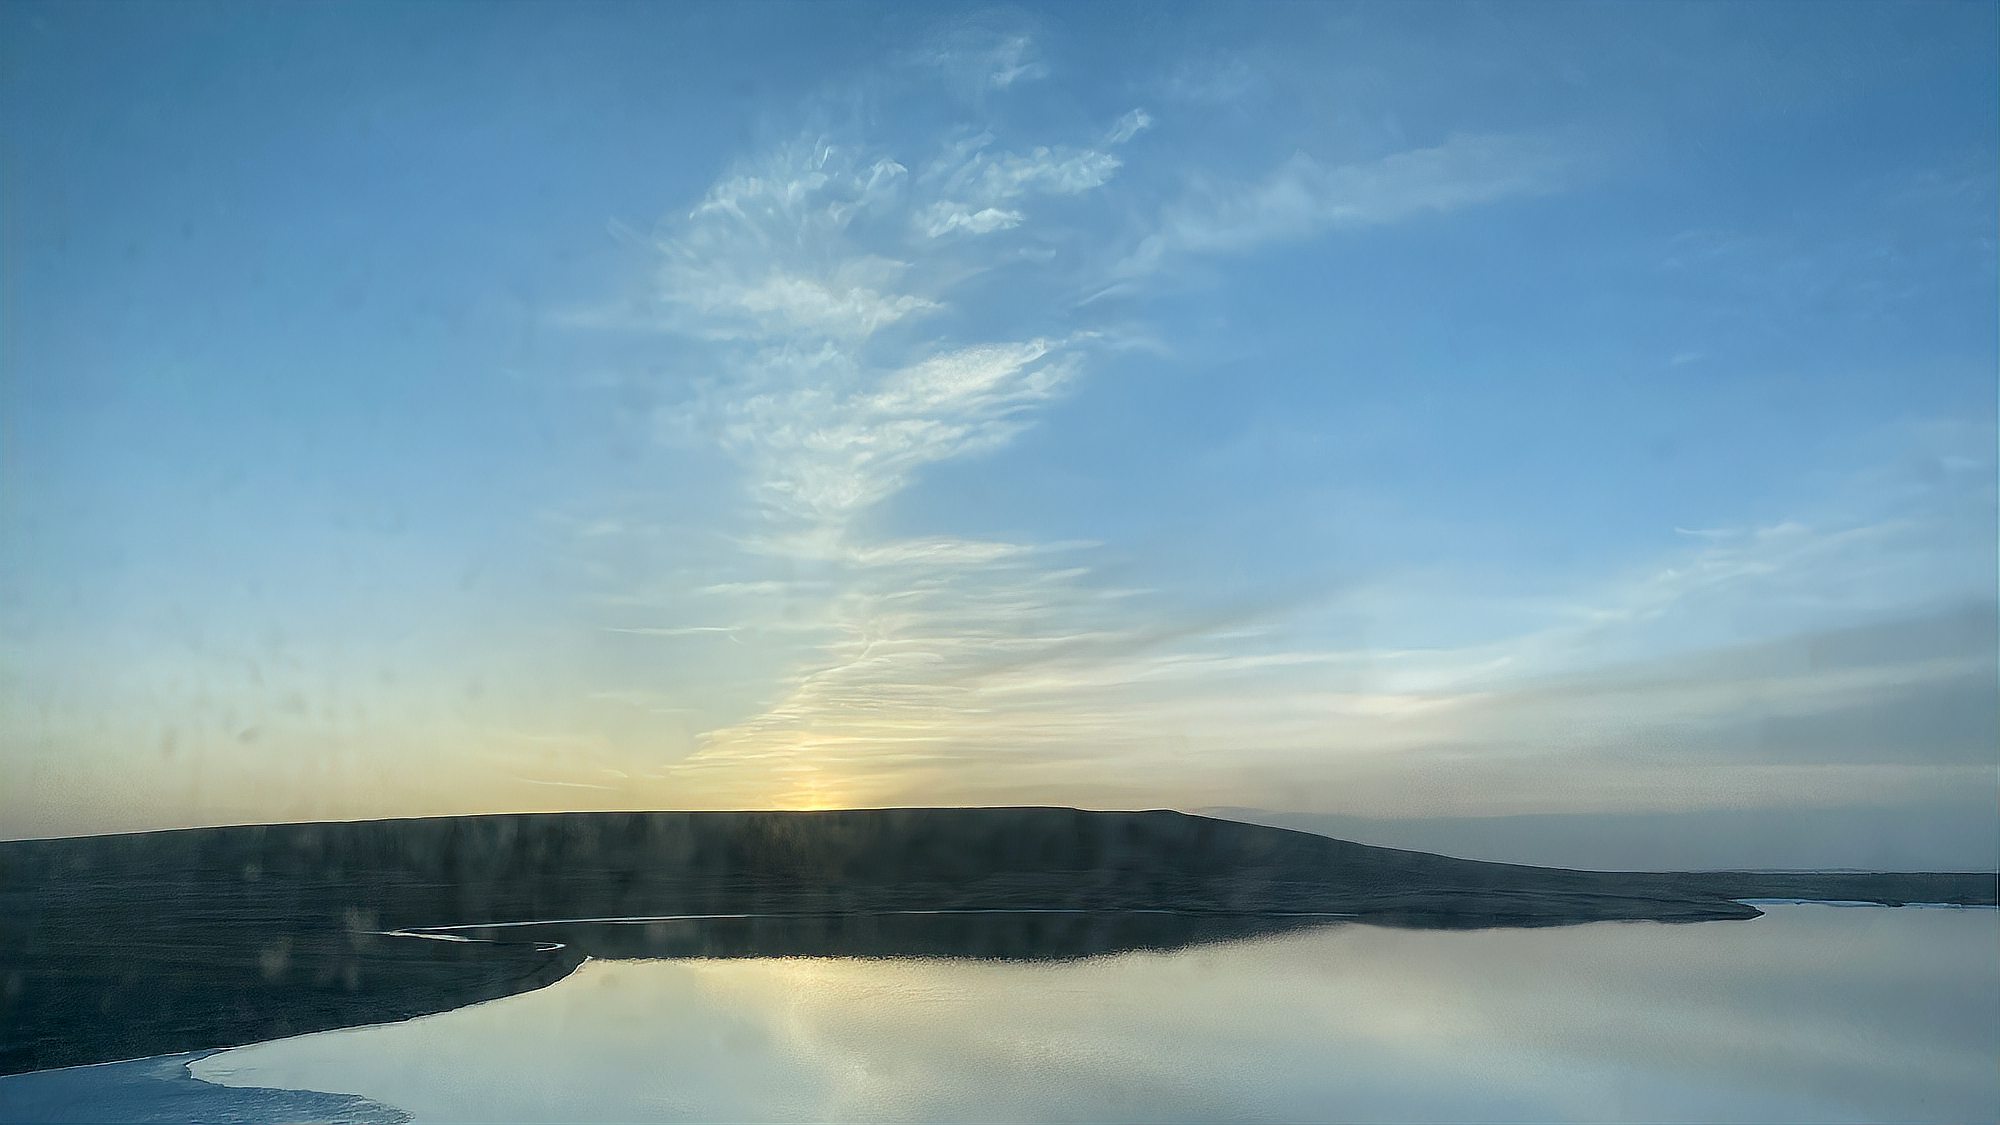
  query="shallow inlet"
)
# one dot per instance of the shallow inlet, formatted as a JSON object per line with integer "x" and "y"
{"x": 1809, "y": 1014}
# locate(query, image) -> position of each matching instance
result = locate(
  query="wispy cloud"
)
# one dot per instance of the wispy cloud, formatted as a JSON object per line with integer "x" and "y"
{"x": 798, "y": 262}
{"x": 823, "y": 455}
{"x": 989, "y": 678}
{"x": 819, "y": 283}
{"x": 1306, "y": 196}
{"x": 983, "y": 55}
{"x": 674, "y": 630}
{"x": 564, "y": 784}
{"x": 981, "y": 187}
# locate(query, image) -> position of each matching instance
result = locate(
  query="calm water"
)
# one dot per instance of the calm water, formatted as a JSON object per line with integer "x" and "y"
{"x": 1812, "y": 1013}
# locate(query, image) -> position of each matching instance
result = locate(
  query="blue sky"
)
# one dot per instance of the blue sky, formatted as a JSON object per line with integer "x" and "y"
{"x": 1400, "y": 412}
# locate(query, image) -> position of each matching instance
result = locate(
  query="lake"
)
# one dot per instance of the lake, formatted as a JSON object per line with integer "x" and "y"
{"x": 1812, "y": 1013}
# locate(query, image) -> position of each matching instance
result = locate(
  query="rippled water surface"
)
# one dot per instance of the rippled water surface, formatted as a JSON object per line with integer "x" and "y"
{"x": 1811, "y": 1013}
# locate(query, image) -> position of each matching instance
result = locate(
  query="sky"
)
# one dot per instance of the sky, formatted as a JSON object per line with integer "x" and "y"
{"x": 1500, "y": 415}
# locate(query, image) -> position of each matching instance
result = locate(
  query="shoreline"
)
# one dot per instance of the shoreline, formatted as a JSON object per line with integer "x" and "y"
{"x": 139, "y": 946}
{"x": 101, "y": 1092}
{"x": 186, "y": 1059}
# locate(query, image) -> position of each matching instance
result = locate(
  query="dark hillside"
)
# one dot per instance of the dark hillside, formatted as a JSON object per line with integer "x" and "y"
{"x": 122, "y": 946}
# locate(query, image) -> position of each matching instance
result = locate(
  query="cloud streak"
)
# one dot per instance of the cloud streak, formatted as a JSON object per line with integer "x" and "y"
{"x": 1306, "y": 196}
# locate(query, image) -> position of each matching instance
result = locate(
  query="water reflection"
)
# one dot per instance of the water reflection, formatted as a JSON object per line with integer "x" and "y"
{"x": 1809, "y": 1014}
{"x": 1001, "y": 935}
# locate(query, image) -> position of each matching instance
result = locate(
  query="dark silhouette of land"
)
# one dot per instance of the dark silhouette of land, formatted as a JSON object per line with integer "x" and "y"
{"x": 126, "y": 946}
